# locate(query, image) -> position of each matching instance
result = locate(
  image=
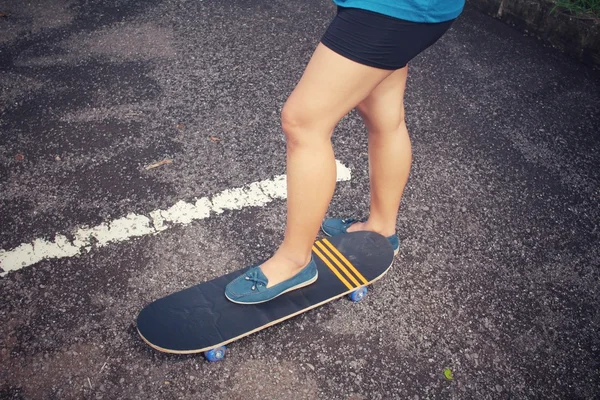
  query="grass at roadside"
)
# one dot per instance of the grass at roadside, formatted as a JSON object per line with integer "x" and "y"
{"x": 580, "y": 8}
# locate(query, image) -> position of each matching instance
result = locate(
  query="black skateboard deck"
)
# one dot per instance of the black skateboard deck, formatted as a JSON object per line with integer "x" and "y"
{"x": 201, "y": 319}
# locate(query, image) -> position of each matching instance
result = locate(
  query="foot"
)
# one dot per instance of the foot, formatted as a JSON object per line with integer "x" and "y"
{"x": 337, "y": 226}
{"x": 280, "y": 268}
{"x": 255, "y": 286}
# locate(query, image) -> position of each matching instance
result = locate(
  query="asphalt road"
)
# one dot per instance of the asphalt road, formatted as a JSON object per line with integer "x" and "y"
{"x": 498, "y": 273}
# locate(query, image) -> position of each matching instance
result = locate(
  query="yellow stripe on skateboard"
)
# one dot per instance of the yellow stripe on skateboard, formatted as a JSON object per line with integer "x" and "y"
{"x": 331, "y": 267}
{"x": 345, "y": 261}
{"x": 339, "y": 265}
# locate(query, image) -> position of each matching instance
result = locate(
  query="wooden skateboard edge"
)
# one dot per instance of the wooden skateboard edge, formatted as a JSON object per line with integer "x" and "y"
{"x": 196, "y": 351}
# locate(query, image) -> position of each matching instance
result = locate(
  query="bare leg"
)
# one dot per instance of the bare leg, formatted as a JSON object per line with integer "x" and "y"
{"x": 331, "y": 86}
{"x": 390, "y": 153}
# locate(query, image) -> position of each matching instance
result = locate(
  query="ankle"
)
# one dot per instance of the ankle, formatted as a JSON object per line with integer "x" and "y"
{"x": 383, "y": 229}
{"x": 294, "y": 259}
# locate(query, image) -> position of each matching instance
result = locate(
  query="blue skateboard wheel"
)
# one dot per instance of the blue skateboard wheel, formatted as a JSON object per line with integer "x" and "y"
{"x": 215, "y": 354}
{"x": 358, "y": 294}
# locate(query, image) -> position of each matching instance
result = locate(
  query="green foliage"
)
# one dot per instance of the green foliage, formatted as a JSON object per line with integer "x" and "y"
{"x": 580, "y": 8}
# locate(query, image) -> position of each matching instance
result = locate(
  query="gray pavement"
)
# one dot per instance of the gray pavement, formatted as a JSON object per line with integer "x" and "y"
{"x": 498, "y": 272}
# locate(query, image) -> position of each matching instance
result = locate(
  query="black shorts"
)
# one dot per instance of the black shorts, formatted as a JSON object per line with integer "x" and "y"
{"x": 378, "y": 40}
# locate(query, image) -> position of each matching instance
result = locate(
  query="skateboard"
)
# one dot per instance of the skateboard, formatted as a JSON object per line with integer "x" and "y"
{"x": 200, "y": 319}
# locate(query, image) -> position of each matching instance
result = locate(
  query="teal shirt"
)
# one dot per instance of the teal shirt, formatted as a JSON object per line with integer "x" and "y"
{"x": 410, "y": 10}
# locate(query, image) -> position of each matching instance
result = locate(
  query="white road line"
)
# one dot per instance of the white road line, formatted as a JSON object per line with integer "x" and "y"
{"x": 256, "y": 194}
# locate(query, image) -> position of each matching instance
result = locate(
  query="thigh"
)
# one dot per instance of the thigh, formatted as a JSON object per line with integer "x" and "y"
{"x": 330, "y": 87}
{"x": 383, "y": 109}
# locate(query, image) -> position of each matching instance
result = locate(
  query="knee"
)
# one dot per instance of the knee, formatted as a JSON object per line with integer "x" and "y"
{"x": 363, "y": 109}
{"x": 294, "y": 124}
{"x": 290, "y": 119}
{"x": 382, "y": 119}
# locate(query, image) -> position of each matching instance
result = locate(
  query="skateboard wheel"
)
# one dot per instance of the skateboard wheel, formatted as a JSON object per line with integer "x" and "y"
{"x": 215, "y": 354}
{"x": 358, "y": 294}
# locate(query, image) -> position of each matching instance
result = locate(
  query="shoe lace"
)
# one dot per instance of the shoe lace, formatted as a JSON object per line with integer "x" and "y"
{"x": 258, "y": 281}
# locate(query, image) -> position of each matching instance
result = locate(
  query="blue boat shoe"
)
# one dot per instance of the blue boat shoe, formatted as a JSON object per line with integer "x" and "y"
{"x": 251, "y": 287}
{"x": 338, "y": 226}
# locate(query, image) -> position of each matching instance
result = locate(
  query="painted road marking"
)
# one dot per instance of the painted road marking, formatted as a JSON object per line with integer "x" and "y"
{"x": 256, "y": 194}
